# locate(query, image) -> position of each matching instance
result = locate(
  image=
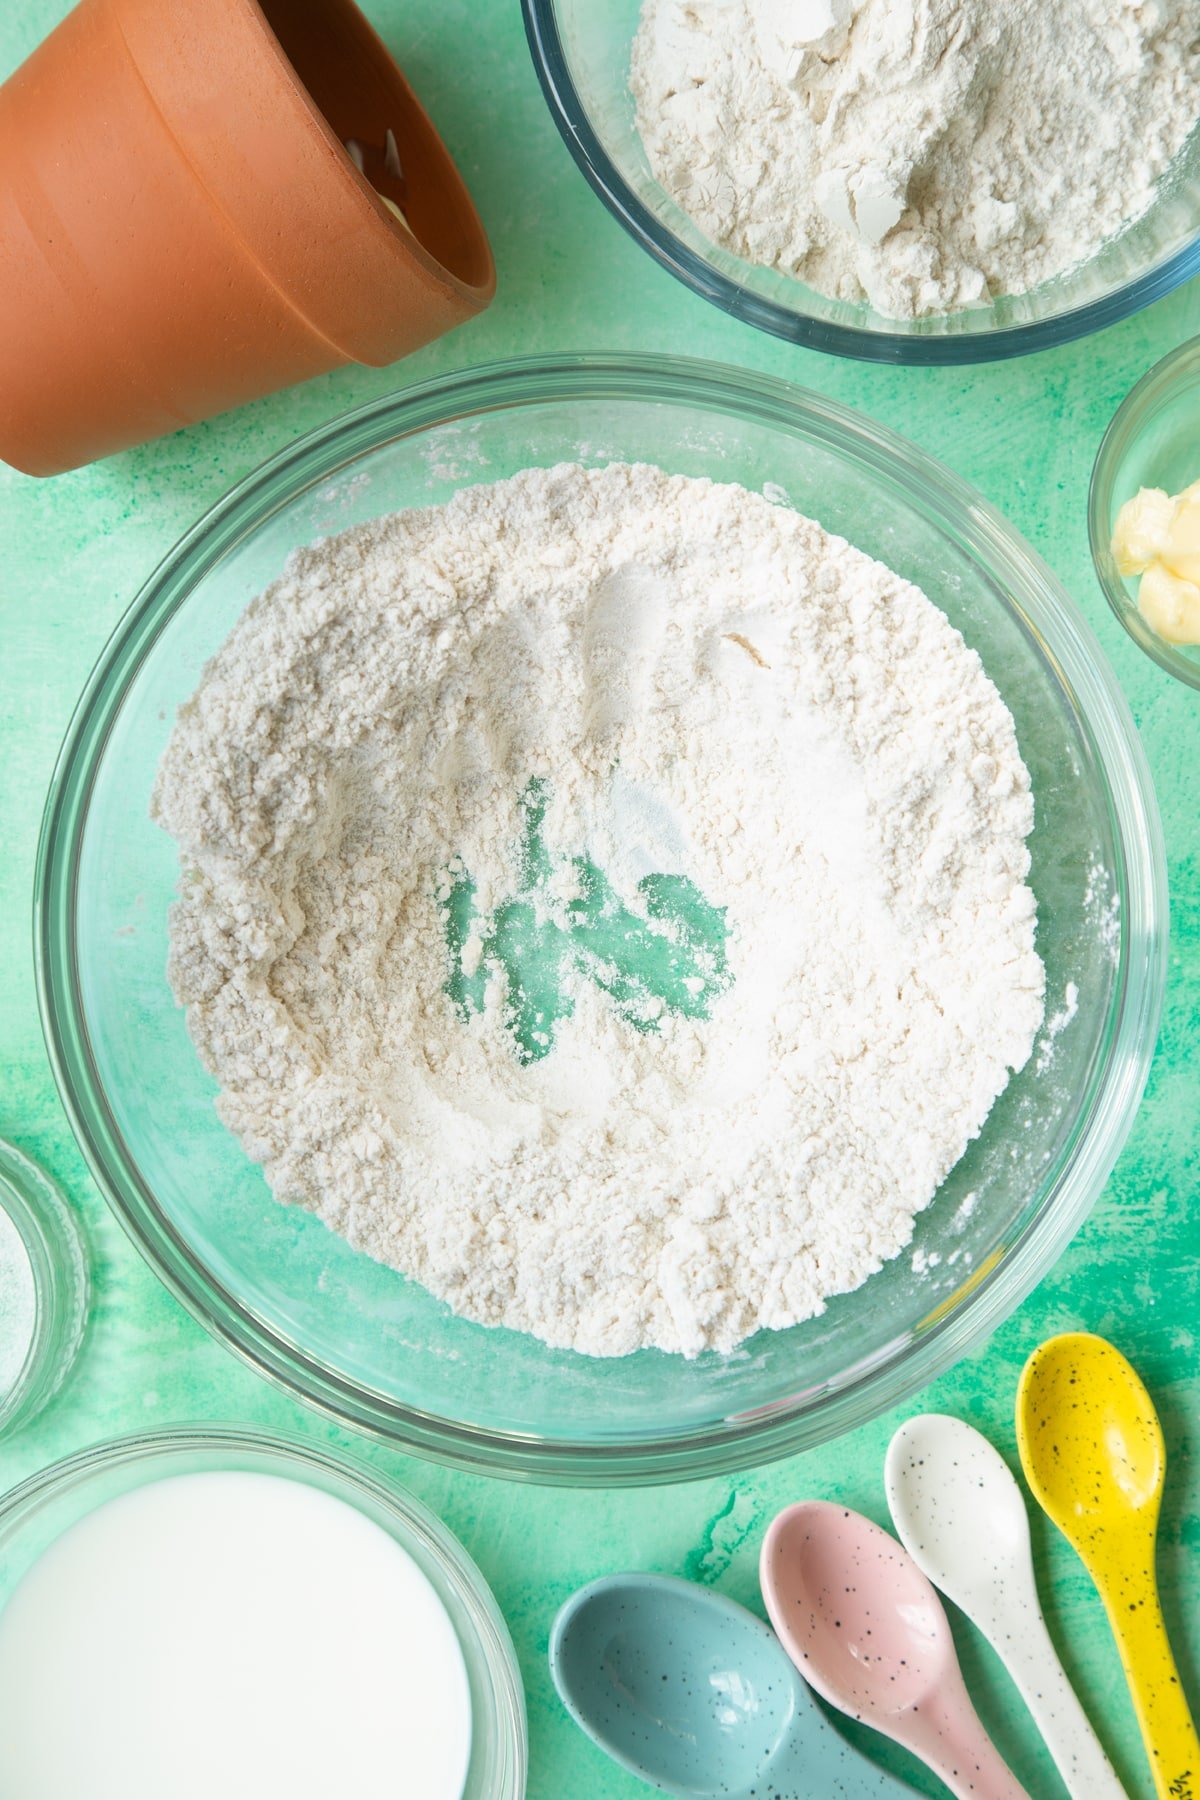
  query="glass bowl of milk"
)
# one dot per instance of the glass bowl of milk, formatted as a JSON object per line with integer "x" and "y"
{"x": 205, "y": 1611}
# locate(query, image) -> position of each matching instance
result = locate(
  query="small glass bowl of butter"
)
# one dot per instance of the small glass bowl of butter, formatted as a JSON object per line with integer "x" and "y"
{"x": 1144, "y": 513}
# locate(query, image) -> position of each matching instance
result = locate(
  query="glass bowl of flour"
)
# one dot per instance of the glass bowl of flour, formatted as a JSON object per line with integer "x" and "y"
{"x": 959, "y": 185}
{"x": 641, "y": 1065}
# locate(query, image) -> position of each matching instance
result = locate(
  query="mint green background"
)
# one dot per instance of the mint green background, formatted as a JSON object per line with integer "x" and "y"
{"x": 73, "y": 551}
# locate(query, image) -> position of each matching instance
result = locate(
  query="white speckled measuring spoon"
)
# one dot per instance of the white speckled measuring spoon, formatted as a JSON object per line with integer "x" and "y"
{"x": 959, "y": 1513}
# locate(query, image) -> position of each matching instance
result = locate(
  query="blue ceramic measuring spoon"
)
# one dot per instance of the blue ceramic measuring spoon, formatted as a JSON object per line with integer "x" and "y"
{"x": 694, "y": 1694}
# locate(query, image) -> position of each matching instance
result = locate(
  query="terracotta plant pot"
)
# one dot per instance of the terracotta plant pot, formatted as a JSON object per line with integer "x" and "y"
{"x": 182, "y": 228}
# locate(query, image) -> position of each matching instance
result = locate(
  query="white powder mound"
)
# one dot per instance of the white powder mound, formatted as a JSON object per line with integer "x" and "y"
{"x": 685, "y": 688}
{"x": 922, "y": 154}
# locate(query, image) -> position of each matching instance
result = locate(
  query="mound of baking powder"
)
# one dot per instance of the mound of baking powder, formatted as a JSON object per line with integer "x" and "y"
{"x": 922, "y": 154}
{"x": 603, "y": 898}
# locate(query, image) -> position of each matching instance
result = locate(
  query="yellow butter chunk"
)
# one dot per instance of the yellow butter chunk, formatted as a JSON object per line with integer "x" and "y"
{"x": 1170, "y": 605}
{"x": 1183, "y": 548}
{"x": 1157, "y": 536}
{"x": 1141, "y": 529}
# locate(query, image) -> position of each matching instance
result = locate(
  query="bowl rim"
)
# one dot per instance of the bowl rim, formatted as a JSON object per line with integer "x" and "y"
{"x": 54, "y": 1242}
{"x": 860, "y": 342}
{"x": 1141, "y": 400}
{"x": 468, "y": 1600}
{"x": 782, "y": 1427}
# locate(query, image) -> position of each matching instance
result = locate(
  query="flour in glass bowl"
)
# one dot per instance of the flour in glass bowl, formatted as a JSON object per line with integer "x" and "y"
{"x": 924, "y": 155}
{"x": 604, "y": 899}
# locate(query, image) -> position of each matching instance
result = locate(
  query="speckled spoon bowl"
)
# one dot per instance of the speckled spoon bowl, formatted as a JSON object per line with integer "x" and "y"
{"x": 1093, "y": 1454}
{"x": 866, "y": 1628}
{"x": 959, "y": 1513}
{"x": 692, "y": 1693}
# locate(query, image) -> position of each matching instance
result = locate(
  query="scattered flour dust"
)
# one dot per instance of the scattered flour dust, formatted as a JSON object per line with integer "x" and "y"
{"x": 925, "y": 155}
{"x": 688, "y": 689}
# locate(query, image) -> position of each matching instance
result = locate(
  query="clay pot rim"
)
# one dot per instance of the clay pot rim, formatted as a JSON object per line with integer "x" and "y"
{"x": 408, "y": 245}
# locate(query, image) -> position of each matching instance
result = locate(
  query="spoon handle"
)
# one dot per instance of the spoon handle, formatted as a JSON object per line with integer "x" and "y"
{"x": 1032, "y": 1661}
{"x": 951, "y": 1740}
{"x": 1158, "y": 1699}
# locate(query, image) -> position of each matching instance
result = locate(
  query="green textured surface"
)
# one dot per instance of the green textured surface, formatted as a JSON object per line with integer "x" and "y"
{"x": 76, "y": 549}
{"x": 637, "y": 961}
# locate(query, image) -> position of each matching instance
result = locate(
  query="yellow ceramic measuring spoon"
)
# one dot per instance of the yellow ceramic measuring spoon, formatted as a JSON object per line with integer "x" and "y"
{"x": 1092, "y": 1450}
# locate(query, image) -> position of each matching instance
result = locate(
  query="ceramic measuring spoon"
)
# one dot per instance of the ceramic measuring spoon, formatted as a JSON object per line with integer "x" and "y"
{"x": 1092, "y": 1450}
{"x": 693, "y": 1693}
{"x": 863, "y": 1625}
{"x": 959, "y": 1513}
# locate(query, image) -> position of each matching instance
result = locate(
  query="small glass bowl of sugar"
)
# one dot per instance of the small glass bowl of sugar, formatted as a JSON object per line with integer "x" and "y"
{"x": 43, "y": 1289}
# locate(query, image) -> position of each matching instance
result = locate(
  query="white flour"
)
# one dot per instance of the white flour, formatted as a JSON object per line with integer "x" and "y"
{"x": 923, "y": 154}
{"x": 691, "y": 683}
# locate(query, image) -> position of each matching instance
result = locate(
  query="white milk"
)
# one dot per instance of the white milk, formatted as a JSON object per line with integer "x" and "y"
{"x": 231, "y": 1635}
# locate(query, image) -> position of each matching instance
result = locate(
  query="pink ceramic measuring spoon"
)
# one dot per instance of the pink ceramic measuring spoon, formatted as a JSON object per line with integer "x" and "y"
{"x": 867, "y": 1630}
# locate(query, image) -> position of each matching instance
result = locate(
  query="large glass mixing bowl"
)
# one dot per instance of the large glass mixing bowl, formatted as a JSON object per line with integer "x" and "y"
{"x": 581, "y": 50}
{"x": 359, "y": 1340}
